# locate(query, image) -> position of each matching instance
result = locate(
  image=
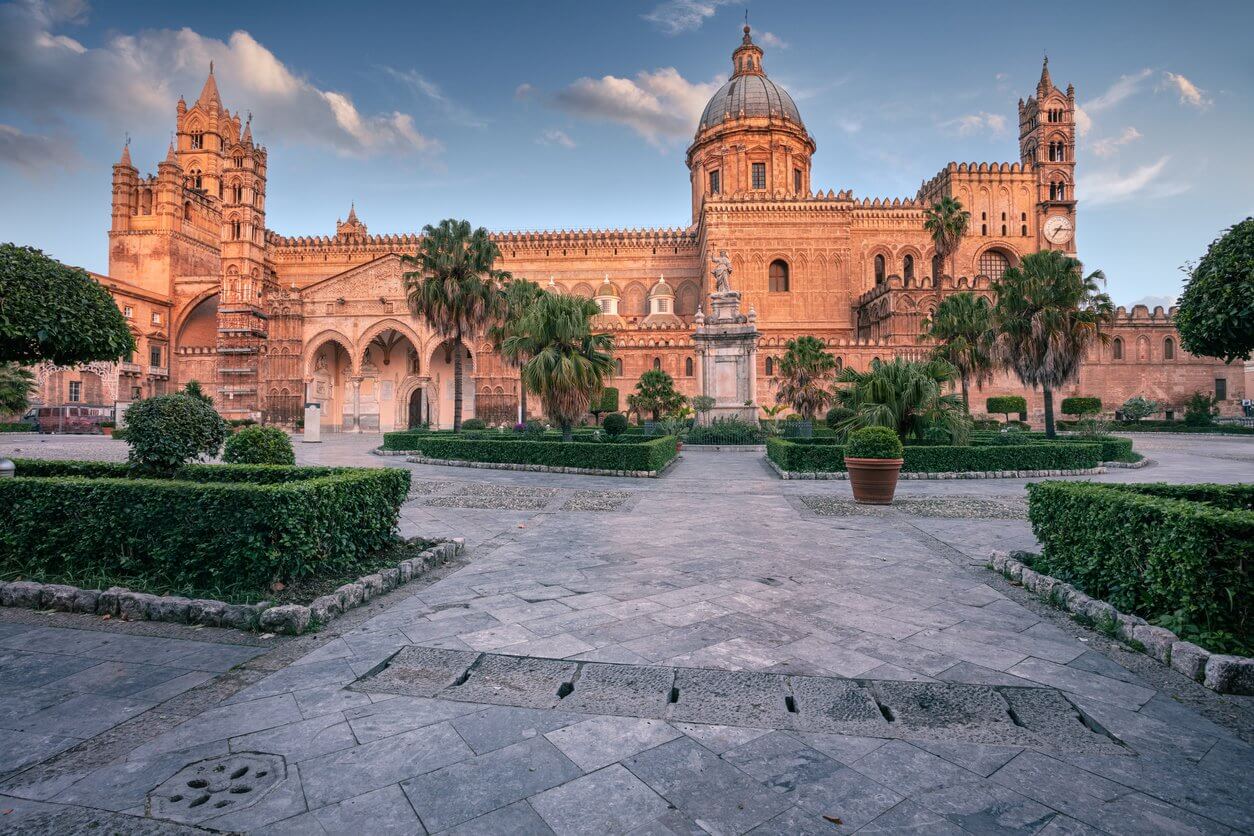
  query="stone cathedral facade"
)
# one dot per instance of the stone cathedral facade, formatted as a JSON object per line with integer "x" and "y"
{"x": 267, "y": 322}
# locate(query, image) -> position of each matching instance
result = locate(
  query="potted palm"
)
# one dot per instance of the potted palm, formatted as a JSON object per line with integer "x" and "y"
{"x": 873, "y": 459}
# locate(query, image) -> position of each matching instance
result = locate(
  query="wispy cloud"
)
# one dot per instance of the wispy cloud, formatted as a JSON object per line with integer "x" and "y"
{"x": 1147, "y": 181}
{"x": 675, "y": 17}
{"x": 1190, "y": 94}
{"x": 132, "y": 80}
{"x": 34, "y": 152}
{"x": 976, "y": 123}
{"x": 555, "y": 137}
{"x": 772, "y": 40}
{"x": 1126, "y": 86}
{"x": 1109, "y": 146}
{"x": 524, "y": 91}
{"x": 429, "y": 90}
{"x": 661, "y": 106}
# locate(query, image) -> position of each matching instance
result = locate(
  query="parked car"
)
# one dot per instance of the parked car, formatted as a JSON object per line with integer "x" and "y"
{"x": 72, "y": 418}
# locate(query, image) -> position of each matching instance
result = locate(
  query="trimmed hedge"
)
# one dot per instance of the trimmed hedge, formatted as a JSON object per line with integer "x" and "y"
{"x": 650, "y": 453}
{"x": 1081, "y": 405}
{"x": 1005, "y": 404}
{"x": 18, "y": 427}
{"x": 822, "y": 455}
{"x": 1145, "y": 426}
{"x": 259, "y": 445}
{"x": 209, "y": 527}
{"x": 1177, "y": 551}
{"x": 1114, "y": 449}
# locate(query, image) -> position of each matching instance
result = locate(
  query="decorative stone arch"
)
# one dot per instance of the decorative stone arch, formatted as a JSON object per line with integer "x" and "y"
{"x": 582, "y": 289}
{"x": 999, "y": 245}
{"x": 189, "y": 307}
{"x": 379, "y": 327}
{"x": 687, "y": 297}
{"x": 314, "y": 345}
{"x": 1142, "y": 349}
{"x": 437, "y": 342}
{"x": 634, "y": 300}
{"x": 879, "y": 250}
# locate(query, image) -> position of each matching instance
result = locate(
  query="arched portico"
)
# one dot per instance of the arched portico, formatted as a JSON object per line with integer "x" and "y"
{"x": 331, "y": 381}
{"x": 390, "y": 371}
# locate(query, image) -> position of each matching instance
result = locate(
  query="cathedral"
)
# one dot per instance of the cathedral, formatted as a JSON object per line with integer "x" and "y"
{"x": 269, "y": 322}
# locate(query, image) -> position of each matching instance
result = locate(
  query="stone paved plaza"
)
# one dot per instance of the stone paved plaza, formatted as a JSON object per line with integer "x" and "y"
{"x": 642, "y": 588}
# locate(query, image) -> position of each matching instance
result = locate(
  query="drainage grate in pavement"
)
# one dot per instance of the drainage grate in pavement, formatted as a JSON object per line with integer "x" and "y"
{"x": 216, "y": 786}
{"x": 1022, "y": 716}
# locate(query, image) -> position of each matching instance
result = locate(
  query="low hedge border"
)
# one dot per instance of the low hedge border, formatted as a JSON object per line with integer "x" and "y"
{"x": 1114, "y": 449}
{"x": 287, "y": 619}
{"x": 842, "y": 475}
{"x": 1036, "y": 459}
{"x": 237, "y": 525}
{"x": 540, "y": 468}
{"x": 18, "y": 427}
{"x": 1220, "y": 672}
{"x": 644, "y": 457}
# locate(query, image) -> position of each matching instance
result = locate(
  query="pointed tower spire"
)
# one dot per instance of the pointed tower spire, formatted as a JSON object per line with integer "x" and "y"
{"x": 209, "y": 93}
{"x": 248, "y": 129}
{"x": 170, "y": 156}
{"x": 126, "y": 153}
{"x": 352, "y": 212}
{"x": 1046, "y": 83}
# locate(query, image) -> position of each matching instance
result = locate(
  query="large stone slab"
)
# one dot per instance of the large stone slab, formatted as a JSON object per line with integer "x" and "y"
{"x": 731, "y": 698}
{"x": 840, "y": 706}
{"x": 632, "y": 690}
{"x": 514, "y": 680}
{"x": 420, "y": 671}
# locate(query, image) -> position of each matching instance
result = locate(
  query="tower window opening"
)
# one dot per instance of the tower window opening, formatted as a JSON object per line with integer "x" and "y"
{"x": 715, "y": 184}
{"x": 688, "y": 367}
{"x": 777, "y": 279}
{"x": 879, "y": 269}
{"x": 796, "y": 180}
{"x": 1116, "y": 349}
{"x": 770, "y": 366}
{"x": 657, "y": 362}
{"x": 198, "y": 140}
{"x": 759, "y": 175}
{"x": 993, "y": 264}
{"x": 1169, "y": 349}
{"x": 907, "y": 268}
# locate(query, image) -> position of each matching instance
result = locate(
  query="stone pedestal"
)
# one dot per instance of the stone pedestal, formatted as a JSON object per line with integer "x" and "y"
{"x": 312, "y": 434}
{"x": 727, "y": 347}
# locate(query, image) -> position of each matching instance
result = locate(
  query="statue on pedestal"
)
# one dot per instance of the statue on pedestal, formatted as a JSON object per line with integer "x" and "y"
{"x": 722, "y": 272}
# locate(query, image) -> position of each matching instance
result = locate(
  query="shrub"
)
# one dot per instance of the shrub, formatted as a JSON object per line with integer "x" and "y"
{"x": 615, "y": 423}
{"x": 18, "y": 427}
{"x": 170, "y": 430}
{"x": 474, "y": 424}
{"x": 1006, "y": 404}
{"x": 1153, "y": 550}
{"x": 873, "y": 443}
{"x": 823, "y": 455}
{"x": 1217, "y": 304}
{"x": 608, "y": 402}
{"x": 1200, "y": 410}
{"x": 259, "y": 445}
{"x": 1081, "y": 406}
{"x": 1136, "y": 408}
{"x": 726, "y": 431}
{"x": 629, "y": 452}
{"x": 702, "y": 404}
{"x": 837, "y": 415}
{"x": 986, "y": 424}
{"x": 209, "y": 528}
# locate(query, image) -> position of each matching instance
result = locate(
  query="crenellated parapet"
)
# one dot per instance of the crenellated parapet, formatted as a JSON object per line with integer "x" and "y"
{"x": 674, "y": 236}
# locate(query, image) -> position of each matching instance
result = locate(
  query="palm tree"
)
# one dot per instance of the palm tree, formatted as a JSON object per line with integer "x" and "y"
{"x": 905, "y": 396}
{"x": 1047, "y": 313}
{"x": 803, "y": 376}
{"x": 962, "y": 327}
{"x": 455, "y": 288}
{"x": 517, "y": 297}
{"x": 16, "y": 386}
{"x": 947, "y": 222}
{"x": 568, "y": 363}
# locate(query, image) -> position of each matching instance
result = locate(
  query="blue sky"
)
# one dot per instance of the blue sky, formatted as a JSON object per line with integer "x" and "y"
{"x": 577, "y": 114}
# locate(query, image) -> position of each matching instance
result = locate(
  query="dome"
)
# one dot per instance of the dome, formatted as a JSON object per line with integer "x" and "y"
{"x": 608, "y": 288}
{"x": 750, "y": 96}
{"x": 662, "y": 288}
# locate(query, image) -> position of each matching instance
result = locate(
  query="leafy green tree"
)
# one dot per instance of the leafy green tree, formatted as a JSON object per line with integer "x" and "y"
{"x": 455, "y": 288}
{"x": 805, "y": 372}
{"x": 1216, "y": 313}
{"x": 1006, "y": 404}
{"x": 568, "y": 363}
{"x": 16, "y": 385}
{"x": 517, "y": 297}
{"x": 259, "y": 445}
{"x": 1047, "y": 313}
{"x": 963, "y": 330}
{"x": 608, "y": 402}
{"x": 1200, "y": 409}
{"x": 52, "y": 312}
{"x": 1080, "y": 405}
{"x": 167, "y": 431}
{"x": 905, "y": 396}
{"x": 656, "y": 394}
{"x": 946, "y": 221}
{"x": 1138, "y": 407}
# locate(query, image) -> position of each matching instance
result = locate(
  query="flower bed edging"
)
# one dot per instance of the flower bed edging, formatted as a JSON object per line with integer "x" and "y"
{"x": 841, "y": 475}
{"x": 1219, "y": 672}
{"x": 543, "y": 468}
{"x": 288, "y": 619}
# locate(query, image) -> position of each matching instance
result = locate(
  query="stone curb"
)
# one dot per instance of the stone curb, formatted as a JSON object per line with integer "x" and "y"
{"x": 542, "y": 468}
{"x": 841, "y": 475}
{"x": 1217, "y": 671}
{"x": 288, "y": 619}
{"x": 1144, "y": 462}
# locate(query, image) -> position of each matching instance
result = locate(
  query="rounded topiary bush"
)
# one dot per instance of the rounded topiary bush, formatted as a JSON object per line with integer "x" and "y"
{"x": 873, "y": 443}
{"x": 615, "y": 424}
{"x": 1081, "y": 406}
{"x": 1006, "y": 404}
{"x": 837, "y": 415}
{"x": 473, "y": 424}
{"x": 259, "y": 445}
{"x": 168, "y": 431}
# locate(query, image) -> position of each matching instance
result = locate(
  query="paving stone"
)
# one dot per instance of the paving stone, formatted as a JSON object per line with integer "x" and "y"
{"x": 382, "y": 811}
{"x": 635, "y": 690}
{"x": 610, "y": 800}
{"x": 19, "y": 750}
{"x": 420, "y": 671}
{"x": 33, "y": 669}
{"x": 1083, "y": 683}
{"x": 487, "y": 782}
{"x": 719, "y": 739}
{"x": 740, "y": 698}
{"x": 908, "y": 817}
{"x": 600, "y": 741}
{"x": 517, "y": 819}
{"x": 400, "y": 714}
{"x": 499, "y": 726}
{"x": 835, "y": 705}
{"x": 299, "y": 741}
{"x": 513, "y": 680}
{"x": 118, "y": 679}
{"x": 83, "y": 715}
{"x": 924, "y": 705}
{"x": 909, "y": 770}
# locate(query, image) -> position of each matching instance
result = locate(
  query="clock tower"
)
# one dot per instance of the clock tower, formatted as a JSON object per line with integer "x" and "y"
{"x": 1047, "y": 148}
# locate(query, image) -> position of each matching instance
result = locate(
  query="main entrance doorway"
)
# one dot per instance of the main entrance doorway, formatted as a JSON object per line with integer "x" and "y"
{"x": 416, "y": 418}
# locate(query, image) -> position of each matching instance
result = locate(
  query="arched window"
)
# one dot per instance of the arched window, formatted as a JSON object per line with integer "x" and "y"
{"x": 187, "y": 211}
{"x": 618, "y": 366}
{"x": 235, "y": 230}
{"x": 688, "y": 367}
{"x": 239, "y": 161}
{"x": 657, "y": 362}
{"x": 907, "y": 268}
{"x": 840, "y": 364}
{"x": 879, "y": 269}
{"x": 237, "y": 193}
{"x": 196, "y": 178}
{"x": 778, "y": 278}
{"x": 1169, "y": 349}
{"x": 198, "y": 140}
{"x": 993, "y": 264}
{"x": 1116, "y": 349}
{"x": 1057, "y": 190}
{"x": 770, "y": 366}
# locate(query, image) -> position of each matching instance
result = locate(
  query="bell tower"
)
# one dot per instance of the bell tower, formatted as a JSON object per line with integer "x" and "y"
{"x": 1047, "y": 148}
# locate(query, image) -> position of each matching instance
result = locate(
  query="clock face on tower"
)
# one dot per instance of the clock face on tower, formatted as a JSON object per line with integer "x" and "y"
{"x": 1058, "y": 229}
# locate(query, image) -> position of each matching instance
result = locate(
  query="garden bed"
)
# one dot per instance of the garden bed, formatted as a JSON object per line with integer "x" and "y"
{"x": 626, "y": 456}
{"x": 823, "y": 458}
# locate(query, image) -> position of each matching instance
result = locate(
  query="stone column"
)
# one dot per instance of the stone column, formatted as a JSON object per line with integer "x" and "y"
{"x": 352, "y": 406}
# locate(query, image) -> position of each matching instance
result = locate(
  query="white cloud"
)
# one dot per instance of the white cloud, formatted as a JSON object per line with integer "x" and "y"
{"x": 33, "y": 152}
{"x": 674, "y": 17}
{"x": 1110, "y": 145}
{"x": 1126, "y": 86}
{"x": 772, "y": 40}
{"x": 1147, "y": 181}
{"x": 1083, "y": 122}
{"x": 1190, "y": 94}
{"x": 661, "y": 105}
{"x": 132, "y": 81}
{"x": 1152, "y": 302}
{"x": 976, "y": 123}
{"x": 556, "y": 137}
{"x": 849, "y": 125}
{"x": 524, "y": 91}
{"x": 424, "y": 87}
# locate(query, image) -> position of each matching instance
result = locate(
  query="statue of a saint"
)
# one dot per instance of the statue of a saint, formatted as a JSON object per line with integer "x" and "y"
{"x": 722, "y": 272}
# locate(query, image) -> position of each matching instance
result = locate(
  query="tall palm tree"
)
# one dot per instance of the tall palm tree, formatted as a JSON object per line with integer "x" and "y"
{"x": 1047, "y": 313}
{"x": 16, "y": 386}
{"x": 963, "y": 330}
{"x": 454, "y": 288}
{"x": 947, "y": 222}
{"x": 567, "y": 363}
{"x": 905, "y": 396}
{"x": 804, "y": 373}
{"x": 517, "y": 297}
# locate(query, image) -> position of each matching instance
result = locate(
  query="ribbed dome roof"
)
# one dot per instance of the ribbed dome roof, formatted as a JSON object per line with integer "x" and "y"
{"x": 751, "y": 96}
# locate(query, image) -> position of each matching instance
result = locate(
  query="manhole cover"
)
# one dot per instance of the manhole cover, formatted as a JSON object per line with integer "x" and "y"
{"x": 216, "y": 786}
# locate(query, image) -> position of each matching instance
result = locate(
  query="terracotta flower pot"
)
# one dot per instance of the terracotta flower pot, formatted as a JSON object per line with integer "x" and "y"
{"x": 107, "y": 430}
{"x": 874, "y": 481}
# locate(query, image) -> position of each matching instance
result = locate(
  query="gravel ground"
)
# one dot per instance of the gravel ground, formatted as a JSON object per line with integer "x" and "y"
{"x": 95, "y": 448}
{"x": 425, "y": 488}
{"x": 950, "y": 507}
{"x": 597, "y": 501}
{"x": 504, "y": 497}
